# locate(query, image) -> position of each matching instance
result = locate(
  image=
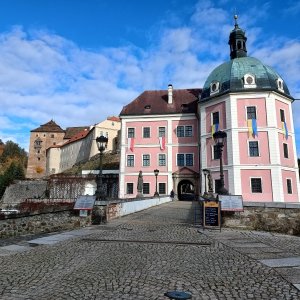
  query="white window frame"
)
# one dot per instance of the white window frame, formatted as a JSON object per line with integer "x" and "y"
{"x": 159, "y": 160}
{"x": 158, "y": 183}
{"x": 185, "y": 126}
{"x": 149, "y": 188}
{"x": 128, "y": 132}
{"x": 149, "y": 159}
{"x": 211, "y": 117}
{"x": 184, "y": 130}
{"x": 256, "y": 111}
{"x": 184, "y": 159}
{"x": 283, "y": 115}
{"x": 132, "y": 188}
{"x": 165, "y": 130}
{"x": 177, "y": 159}
{"x": 287, "y": 190}
{"x": 213, "y": 152}
{"x": 261, "y": 184}
{"x": 127, "y": 160}
{"x": 193, "y": 160}
{"x": 149, "y": 132}
{"x": 287, "y": 147}
{"x": 258, "y": 145}
{"x": 177, "y": 131}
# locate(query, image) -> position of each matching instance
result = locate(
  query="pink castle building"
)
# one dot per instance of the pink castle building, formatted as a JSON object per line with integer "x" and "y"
{"x": 160, "y": 130}
{"x": 171, "y": 131}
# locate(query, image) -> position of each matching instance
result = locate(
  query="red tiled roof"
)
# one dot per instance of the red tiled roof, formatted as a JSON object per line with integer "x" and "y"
{"x": 72, "y": 131}
{"x": 80, "y": 135}
{"x": 114, "y": 119}
{"x": 156, "y": 102}
{"x": 51, "y": 126}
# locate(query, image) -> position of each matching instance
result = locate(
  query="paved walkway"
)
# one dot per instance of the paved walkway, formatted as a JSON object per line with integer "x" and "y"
{"x": 146, "y": 254}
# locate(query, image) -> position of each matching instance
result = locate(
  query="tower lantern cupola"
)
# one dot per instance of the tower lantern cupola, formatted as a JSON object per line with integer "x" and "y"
{"x": 237, "y": 41}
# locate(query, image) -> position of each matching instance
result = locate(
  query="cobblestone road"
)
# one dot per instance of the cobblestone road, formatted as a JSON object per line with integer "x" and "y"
{"x": 143, "y": 255}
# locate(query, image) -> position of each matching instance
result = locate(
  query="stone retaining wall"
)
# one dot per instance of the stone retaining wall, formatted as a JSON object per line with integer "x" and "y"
{"x": 276, "y": 217}
{"x": 42, "y": 223}
{"x": 23, "y": 189}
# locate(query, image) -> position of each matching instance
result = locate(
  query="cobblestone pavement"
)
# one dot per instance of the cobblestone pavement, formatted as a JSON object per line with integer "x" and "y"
{"x": 146, "y": 254}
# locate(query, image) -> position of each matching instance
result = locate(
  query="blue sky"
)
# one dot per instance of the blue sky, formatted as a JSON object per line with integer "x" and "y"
{"x": 78, "y": 62}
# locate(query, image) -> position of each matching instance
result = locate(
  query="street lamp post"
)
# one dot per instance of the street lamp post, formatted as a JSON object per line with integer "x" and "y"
{"x": 205, "y": 172}
{"x": 156, "y": 174}
{"x": 101, "y": 144}
{"x": 220, "y": 137}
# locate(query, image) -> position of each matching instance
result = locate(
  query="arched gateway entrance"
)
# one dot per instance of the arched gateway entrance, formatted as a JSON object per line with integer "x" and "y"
{"x": 186, "y": 190}
{"x": 186, "y": 184}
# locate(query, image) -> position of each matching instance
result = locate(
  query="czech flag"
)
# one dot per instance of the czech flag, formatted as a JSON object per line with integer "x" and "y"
{"x": 252, "y": 127}
{"x": 285, "y": 130}
{"x": 214, "y": 128}
{"x": 162, "y": 142}
{"x": 131, "y": 144}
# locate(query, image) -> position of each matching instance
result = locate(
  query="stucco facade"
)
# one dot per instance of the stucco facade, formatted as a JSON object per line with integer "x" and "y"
{"x": 82, "y": 146}
{"x": 244, "y": 98}
{"x": 166, "y": 141}
{"x": 269, "y": 164}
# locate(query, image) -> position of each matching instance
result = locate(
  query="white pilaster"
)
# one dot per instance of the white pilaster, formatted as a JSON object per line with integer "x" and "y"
{"x": 122, "y": 160}
{"x": 170, "y": 156}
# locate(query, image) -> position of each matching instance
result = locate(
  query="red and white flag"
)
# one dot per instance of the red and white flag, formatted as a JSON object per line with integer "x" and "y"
{"x": 131, "y": 144}
{"x": 162, "y": 142}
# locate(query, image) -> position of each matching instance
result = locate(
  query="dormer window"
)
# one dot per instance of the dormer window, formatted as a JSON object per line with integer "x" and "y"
{"x": 214, "y": 87}
{"x": 184, "y": 107}
{"x": 249, "y": 81}
{"x": 279, "y": 82}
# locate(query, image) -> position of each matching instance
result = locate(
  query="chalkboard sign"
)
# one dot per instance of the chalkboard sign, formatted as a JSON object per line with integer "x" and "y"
{"x": 211, "y": 214}
{"x": 231, "y": 202}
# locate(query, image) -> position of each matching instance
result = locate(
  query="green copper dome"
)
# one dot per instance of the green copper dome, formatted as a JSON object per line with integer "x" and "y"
{"x": 232, "y": 77}
{"x": 242, "y": 73}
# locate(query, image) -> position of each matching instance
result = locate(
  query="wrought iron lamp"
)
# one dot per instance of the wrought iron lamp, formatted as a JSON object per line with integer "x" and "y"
{"x": 101, "y": 144}
{"x": 156, "y": 171}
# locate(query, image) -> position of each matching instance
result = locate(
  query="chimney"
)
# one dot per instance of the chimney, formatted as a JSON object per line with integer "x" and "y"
{"x": 170, "y": 94}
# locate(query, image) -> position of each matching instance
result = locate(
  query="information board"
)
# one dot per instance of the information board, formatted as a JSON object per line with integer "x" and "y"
{"x": 231, "y": 202}
{"x": 211, "y": 214}
{"x": 83, "y": 213}
{"x": 85, "y": 202}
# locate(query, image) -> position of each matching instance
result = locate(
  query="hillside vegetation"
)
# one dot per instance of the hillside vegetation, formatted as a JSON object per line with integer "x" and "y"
{"x": 13, "y": 162}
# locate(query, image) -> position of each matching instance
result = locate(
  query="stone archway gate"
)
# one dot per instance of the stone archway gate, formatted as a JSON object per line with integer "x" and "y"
{"x": 186, "y": 174}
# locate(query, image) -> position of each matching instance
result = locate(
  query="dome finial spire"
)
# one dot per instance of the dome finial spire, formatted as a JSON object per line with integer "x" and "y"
{"x": 235, "y": 21}
{"x": 237, "y": 41}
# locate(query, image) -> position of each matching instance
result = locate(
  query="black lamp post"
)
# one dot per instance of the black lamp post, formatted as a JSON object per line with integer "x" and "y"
{"x": 101, "y": 144}
{"x": 156, "y": 174}
{"x": 205, "y": 172}
{"x": 220, "y": 137}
